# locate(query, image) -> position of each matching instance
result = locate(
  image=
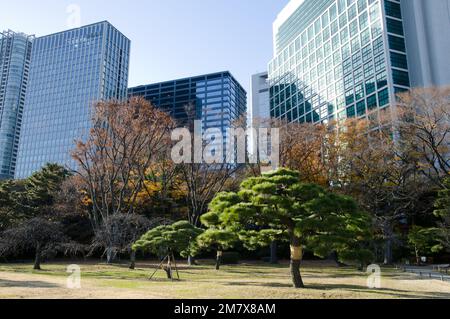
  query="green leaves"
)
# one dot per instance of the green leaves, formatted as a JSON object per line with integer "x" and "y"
{"x": 277, "y": 204}
{"x": 179, "y": 237}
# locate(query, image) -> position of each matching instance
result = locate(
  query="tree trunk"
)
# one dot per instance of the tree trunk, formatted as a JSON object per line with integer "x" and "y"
{"x": 219, "y": 259}
{"x": 133, "y": 260}
{"x": 388, "y": 252}
{"x": 110, "y": 256}
{"x": 191, "y": 261}
{"x": 296, "y": 259}
{"x": 273, "y": 253}
{"x": 388, "y": 233}
{"x": 168, "y": 268}
{"x": 37, "y": 259}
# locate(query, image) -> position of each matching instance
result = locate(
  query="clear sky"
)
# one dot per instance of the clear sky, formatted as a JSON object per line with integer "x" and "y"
{"x": 170, "y": 38}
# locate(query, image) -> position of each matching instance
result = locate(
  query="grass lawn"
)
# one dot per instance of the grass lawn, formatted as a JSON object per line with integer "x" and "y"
{"x": 244, "y": 281}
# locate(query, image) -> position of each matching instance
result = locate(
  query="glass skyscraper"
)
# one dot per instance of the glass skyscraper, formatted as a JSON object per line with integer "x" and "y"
{"x": 215, "y": 99}
{"x": 15, "y": 55}
{"x": 70, "y": 71}
{"x": 337, "y": 59}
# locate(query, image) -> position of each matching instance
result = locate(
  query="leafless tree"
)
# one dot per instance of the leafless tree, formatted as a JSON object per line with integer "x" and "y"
{"x": 424, "y": 127}
{"x": 125, "y": 140}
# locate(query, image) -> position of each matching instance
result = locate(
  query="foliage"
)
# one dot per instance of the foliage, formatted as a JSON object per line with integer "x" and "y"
{"x": 443, "y": 212}
{"x": 424, "y": 126}
{"x": 423, "y": 241}
{"x": 24, "y": 199}
{"x": 165, "y": 240}
{"x": 44, "y": 238}
{"x": 278, "y": 204}
{"x": 42, "y": 185}
{"x": 119, "y": 232}
{"x": 125, "y": 140}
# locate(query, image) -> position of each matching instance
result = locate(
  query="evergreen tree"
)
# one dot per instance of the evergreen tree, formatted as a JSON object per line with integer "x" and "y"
{"x": 443, "y": 212}
{"x": 278, "y": 204}
{"x": 42, "y": 185}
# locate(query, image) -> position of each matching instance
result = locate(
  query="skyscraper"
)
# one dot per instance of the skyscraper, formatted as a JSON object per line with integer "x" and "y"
{"x": 337, "y": 59}
{"x": 215, "y": 99}
{"x": 259, "y": 108}
{"x": 15, "y": 55}
{"x": 260, "y": 99}
{"x": 70, "y": 71}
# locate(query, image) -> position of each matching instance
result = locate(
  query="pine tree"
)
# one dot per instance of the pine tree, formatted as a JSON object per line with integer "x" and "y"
{"x": 278, "y": 205}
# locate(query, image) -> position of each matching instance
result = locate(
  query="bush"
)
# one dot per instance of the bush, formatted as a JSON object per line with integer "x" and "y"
{"x": 231, "y": 258}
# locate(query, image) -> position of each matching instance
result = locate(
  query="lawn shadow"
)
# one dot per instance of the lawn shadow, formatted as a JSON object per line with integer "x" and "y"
{"x": 403, "y": 294}
{"x": 382, "y": 291}
{"x": 26, "y": 284}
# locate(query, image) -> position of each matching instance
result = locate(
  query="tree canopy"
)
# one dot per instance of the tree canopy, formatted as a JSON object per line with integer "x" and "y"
{"x": 165, "y": 240}
{"x": 278, "y": 205}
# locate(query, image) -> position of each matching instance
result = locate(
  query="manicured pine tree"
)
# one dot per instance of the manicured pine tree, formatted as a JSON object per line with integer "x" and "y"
{"x": 278, "y": 205}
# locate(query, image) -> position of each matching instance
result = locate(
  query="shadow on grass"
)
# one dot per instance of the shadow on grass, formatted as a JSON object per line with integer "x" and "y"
{"x": 350, "y": 288}
{"x": 26, "y": 284}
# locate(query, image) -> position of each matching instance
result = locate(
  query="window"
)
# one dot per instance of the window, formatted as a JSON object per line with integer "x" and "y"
{"x": 397, "y": 43}
{"x": 361, "y": 108}
{"x": 383, "y": 97}
{"x": 394, "y": 26}
{"x": 399, "y": 60}
{"x": 393, "y": 9}
{"x": 351, "y": 111}
{"x": 379, "y": 63}
{"x": 370, "y": 86}
{"x": 400, "y": 77}
{"x": 381, "y": 80}
{"x": 372, "y": 102}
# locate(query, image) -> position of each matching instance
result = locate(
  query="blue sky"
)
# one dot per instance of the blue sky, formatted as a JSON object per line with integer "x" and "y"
{"x": 170, "y": 38}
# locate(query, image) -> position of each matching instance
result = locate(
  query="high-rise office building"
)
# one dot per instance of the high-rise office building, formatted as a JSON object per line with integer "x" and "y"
{"x": 70, "y": 71}
{"x": 217, "y": 100}
{"x": 15, "y": 55}
{"x": 259, "y": 108}
{"x": 337, "y": 59}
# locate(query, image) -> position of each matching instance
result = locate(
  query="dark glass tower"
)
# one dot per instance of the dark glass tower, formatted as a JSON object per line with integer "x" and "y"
{"x": 70, "y": 71}
{"x": 15, "y": 55}
{"x": 216, "y": 99}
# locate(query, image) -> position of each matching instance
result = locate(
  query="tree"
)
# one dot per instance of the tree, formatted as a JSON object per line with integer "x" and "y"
{"x": 368, "y": 164}
{"x": 301, "y": 149}
{"x": 442, "y": 211}
{"x": 42, "y": 186}
{"x": 168, "y": 240}
{"x": 125, "y": 140}
{"x": 39, "y": 235}
{"x": 423, "y": 241}
{"x": 278, "y": 204}
{"x": 424, "y": 126}
{"x": 119, "y": 232}
{"x": 217, "y": 236}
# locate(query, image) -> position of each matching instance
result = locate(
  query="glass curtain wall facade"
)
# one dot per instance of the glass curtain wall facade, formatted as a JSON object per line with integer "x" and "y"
{"x": 70, "y": 71}
{"x": 338, "y": 59}
{"x": 15, "y": 56}
{"x": 215, "y": 99}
